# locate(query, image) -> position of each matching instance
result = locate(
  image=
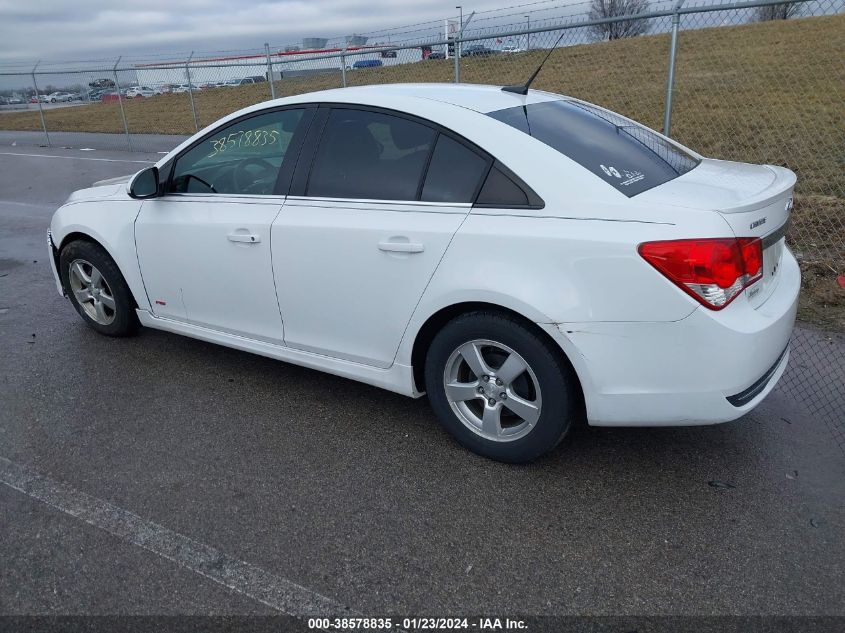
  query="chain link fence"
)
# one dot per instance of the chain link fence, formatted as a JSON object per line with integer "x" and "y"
{"x": 757, "y": 81}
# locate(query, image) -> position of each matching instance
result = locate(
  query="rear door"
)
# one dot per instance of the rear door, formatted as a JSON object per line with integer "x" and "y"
{"x": 370, "y": 215}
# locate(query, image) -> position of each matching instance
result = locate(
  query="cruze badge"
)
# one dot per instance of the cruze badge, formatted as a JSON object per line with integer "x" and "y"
{"x": 757, "y": 223}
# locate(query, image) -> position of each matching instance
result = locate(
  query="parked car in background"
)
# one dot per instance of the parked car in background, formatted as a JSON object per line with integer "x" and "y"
{"x": 139, "y": 91}
{"x": 101, "y": 84}
{"x": 512, "y": 48}
{"x": 179, "y": 89}
{"x": 437, "y": 55}
{"x": 163, "y": 89}
{"x": 368, "y": 63}
{"x": 244, "y": 81}
{"x": 478, "y": 50}
{"x": 525, "y": 260}
{"x": 15, "y": 101}
{"x": 59, "y": 97}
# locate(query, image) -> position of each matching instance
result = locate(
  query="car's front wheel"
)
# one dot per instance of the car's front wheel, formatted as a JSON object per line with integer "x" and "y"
{"x": 499, "y": 388}
{"x": 97, "y": 289}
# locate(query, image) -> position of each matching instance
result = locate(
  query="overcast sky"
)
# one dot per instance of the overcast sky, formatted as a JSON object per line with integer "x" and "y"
{"x": 87, "y": 29}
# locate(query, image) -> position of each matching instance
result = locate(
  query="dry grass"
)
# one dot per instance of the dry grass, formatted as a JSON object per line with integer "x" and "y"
{"x": 822, "y": 301}
{"x": 818, "y": 241}
{"x": 768, "y": 92}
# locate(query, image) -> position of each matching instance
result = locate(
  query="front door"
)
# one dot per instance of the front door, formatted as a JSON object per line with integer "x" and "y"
{"x": 204, "y": 246}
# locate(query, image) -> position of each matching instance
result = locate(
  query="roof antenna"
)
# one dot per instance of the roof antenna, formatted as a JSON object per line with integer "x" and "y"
{"x": 523, "y": 90}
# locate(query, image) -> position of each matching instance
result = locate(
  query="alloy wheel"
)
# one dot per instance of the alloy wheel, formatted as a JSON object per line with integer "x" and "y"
{"x": 493, "y": 390}
{"x": 91, "y": 291}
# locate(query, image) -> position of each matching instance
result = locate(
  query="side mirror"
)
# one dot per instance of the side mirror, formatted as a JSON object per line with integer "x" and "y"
{"x": 145, "y": 184}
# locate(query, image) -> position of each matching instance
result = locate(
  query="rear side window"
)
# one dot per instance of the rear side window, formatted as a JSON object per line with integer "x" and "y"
{"x": 370, "y": 155}
{"x": 630, "y": 157}
{"x": 500, "y": 191}
{"x": 454, "y": 174}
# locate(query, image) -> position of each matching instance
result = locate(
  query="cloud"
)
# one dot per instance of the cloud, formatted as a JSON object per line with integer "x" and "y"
{"x": 54, "y": 29}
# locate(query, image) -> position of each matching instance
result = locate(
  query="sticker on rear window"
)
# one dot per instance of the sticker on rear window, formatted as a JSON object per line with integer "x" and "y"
{"x": 630, "y": 176}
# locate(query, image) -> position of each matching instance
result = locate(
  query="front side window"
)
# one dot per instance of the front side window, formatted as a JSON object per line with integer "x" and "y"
{"x": 242, "y": 158}
{"x": 629, "y": 157}
{"x": 370, "y": 155}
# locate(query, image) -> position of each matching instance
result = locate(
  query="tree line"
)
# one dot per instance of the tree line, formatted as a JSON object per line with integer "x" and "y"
{"x": 606, "y": 9}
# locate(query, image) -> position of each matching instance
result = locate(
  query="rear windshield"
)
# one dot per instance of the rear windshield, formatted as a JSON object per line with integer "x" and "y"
{"x": 627, "y": 156}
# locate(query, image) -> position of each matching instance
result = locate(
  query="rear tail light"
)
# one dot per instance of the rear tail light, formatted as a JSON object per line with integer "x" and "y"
{"x": 713, "y": 271}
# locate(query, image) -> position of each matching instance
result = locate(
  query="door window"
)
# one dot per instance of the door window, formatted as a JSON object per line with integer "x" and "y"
{"x": 454, "y": 173}
{"x": 370, "y": 155}
{"x": 242, "y": 158}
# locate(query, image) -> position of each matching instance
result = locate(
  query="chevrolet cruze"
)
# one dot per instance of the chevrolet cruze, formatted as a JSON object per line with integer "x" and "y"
{"x": 519, "y": 258}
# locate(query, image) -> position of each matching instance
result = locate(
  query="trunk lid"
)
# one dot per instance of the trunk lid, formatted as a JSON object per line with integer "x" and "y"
{"x": 755, "y": 201}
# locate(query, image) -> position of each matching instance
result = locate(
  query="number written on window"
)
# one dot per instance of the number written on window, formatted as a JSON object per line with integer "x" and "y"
{"x": 244, "y": 138}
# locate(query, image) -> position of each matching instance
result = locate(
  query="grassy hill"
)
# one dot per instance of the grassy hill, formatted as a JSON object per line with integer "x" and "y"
{"x": 770, "y": 92}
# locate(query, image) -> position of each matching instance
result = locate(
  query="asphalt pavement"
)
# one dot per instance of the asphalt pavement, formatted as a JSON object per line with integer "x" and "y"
{"x": 164, "y": 475}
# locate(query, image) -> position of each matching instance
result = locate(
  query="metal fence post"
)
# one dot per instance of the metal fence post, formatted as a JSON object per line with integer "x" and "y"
{"x": 191, "y": 91}
{"x": 343, "y": 64}
{"x": 270, "y": 71}
{"x": 456, "y": 48}
{"x": 670, "y": 80}
{"x": 40, "y": 109}
{"x": 457, "y": 56}
{"x": 458, "y": 44}
{"x": 120, "y": 103}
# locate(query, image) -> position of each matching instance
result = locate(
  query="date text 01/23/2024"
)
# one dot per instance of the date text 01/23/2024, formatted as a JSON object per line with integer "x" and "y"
{"x": 418, "y": 624}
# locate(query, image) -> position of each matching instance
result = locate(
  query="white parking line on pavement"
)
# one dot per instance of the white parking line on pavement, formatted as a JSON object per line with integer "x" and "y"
{"x": 105, "y": 160}
{"x": 252, "y": 581}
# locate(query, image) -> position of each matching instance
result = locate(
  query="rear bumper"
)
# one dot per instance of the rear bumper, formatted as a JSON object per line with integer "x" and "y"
{"x": 707, "y": 368}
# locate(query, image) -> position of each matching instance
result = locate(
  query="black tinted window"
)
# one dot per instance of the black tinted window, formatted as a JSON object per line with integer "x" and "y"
{"x": 370, "y": 155}
{"x": 630, "y": 157}
{"x": 454, "y": 173}
{"x": 242, "y": 158}
{"x": 500, "y": 191}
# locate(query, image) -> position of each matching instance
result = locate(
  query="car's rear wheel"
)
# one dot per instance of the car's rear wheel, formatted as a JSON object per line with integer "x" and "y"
{"x": 499, "y": 388}
{"x": 97, "y": 289}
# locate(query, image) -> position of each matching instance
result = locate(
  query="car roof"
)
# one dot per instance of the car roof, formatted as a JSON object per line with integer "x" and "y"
{"x": 480, "y": 98}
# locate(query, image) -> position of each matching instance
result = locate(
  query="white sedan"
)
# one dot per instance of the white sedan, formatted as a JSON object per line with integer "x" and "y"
{"x": 139, "y": 91}
{"x": 58, "y": 97}
{"x": 523, "y": 260}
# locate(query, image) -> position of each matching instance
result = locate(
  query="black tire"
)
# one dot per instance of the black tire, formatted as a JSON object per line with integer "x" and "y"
{"x": 124, "y": 320}
{"x": 556, "y": 379}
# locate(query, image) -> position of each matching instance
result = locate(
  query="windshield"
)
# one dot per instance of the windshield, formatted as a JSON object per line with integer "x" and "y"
{"x": 628, "y": 156}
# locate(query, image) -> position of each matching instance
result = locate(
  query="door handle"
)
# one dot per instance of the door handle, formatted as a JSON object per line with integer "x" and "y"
{"x": 401, "y": 247}
{"x": 248, "y": 238}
